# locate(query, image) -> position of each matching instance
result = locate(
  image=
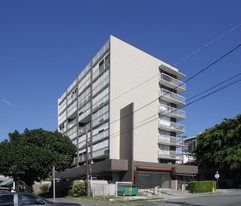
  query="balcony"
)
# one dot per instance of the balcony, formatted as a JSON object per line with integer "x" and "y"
{"x": 101, "y": 85}
{"x": 101, "y": 153}
{"x": 170, "y": 140}
{"x": 72, "y": 123}
{"x": 101, "y": 135}
{"x": 99, "y": 120}
{"x": 172, "y": 155}
{"x": 101, "y": 103}
{"x": 172, "y": 97}
{"x": 84, "y": 117}
{"x": 171, "y": 127}
{"x": 171, "y": 112}
{"x": 171, "y": 82}
{"x": 101, "y": 52}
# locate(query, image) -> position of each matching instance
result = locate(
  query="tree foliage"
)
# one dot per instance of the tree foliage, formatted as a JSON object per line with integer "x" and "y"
{"x": 31, "y": 155}
{"x": 220, "y": 146}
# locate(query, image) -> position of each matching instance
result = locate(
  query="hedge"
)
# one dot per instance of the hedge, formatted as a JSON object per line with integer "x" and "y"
{"x": 202, "y": 186}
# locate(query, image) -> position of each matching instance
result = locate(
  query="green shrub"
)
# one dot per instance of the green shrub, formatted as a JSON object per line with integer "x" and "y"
{"x": 202, "y": 186}
{"x": 44, "y": 188}
{"x": 78, "y": 189}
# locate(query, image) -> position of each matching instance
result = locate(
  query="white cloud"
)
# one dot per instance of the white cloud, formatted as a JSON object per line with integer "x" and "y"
{"x": 6, "y": 101}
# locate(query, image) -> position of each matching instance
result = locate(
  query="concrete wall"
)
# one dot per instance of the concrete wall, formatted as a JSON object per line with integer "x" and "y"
{"x": 131, "y": 67}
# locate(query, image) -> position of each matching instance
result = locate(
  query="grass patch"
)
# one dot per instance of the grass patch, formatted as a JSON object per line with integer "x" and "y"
{"x": 115, "y": 200}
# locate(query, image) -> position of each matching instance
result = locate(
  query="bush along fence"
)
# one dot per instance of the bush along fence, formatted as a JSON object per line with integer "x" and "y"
{"x": 202, "y": 186}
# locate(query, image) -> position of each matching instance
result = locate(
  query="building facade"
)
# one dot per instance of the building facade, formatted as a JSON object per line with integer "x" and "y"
{"x": 124, "y": 107}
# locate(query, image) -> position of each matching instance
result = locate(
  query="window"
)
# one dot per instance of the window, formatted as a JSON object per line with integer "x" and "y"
{"x": 27, "y": 199}
{"x": 6, "y": 199}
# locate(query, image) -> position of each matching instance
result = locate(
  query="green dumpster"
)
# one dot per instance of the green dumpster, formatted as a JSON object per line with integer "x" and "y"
{"x": 127, "y": 189}
{"x": 130, "y": 191}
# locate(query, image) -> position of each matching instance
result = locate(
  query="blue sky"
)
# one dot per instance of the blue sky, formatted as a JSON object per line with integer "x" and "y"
{"x": 44, "y": 44}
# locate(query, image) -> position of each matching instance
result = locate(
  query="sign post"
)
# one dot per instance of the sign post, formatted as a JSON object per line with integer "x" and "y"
{"x": 217, "y": 176}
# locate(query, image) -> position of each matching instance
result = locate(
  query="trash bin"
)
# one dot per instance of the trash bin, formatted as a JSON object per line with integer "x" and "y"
{"x": 127, "y": 189}
{"x": 131, "y": 191}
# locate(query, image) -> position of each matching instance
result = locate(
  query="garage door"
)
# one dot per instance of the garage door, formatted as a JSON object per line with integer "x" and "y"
{"x": 151, "y": 179}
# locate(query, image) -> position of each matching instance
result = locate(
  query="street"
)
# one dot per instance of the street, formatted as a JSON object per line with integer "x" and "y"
{"x": 229, "y": 197}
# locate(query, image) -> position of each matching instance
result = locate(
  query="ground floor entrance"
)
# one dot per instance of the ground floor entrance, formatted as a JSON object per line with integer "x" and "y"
{"x": 152, "y": 179}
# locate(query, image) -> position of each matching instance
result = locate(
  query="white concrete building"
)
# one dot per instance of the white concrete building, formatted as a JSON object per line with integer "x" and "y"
{"x": 126, "y": 102}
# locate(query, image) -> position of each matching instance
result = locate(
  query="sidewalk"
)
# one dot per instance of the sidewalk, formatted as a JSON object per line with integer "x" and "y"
{"x": 176, "y": 194}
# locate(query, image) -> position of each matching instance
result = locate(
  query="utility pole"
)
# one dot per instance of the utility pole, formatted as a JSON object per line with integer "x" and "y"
{"x": 86, "y": 167}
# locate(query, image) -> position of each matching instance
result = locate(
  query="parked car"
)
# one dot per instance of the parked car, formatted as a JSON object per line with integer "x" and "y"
{"x": 25, "y": 198}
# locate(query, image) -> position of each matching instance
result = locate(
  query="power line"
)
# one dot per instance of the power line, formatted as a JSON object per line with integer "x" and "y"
{"x": 180, "y": 60}
{"x": 213, "y": 63}
{"x": 208, "y": 44}
{"x": 143, "y": 122}
{"x": 214, "y": 86}
{"x": 192, "y": 77}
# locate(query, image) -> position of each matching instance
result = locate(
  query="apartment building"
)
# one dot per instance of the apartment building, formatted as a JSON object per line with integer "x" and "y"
{"x": 124, "y": 107}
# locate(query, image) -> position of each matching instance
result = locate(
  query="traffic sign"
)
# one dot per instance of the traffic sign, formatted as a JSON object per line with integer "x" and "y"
{"x": 217, "y": 176}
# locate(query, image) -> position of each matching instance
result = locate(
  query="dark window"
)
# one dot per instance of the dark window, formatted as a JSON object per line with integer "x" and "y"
{"x": 25, "y": 199}
{"x": 6, "y": 199}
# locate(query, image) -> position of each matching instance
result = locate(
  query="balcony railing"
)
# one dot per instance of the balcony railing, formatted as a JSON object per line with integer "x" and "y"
{"x": 171, "y": 126}
{"x": 101, "y": 152}
{"x": 72, "y": 85}
{"x": 72, "y": 123}
{"x": 172, "y": 112}
{"x": 101, "y": 119}
{"x": 84, "y": 71}
{"x": 172, "y": 97}
{"x": 163, "y": 154}
{"x": 101, "y": 52}
{"x": 100, "y": 103}
{"x": 170, "y": 140}
{"x": 172, "y": 82}
{"x": 101, "y": 85}
{"x": 101, "y": 135}
{"x": 84, "y": 114}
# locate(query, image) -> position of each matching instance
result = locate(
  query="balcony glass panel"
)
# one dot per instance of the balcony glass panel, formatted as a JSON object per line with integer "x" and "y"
{"x": 173, "y": 81}
{"x": 171, "y": 111}
{"x": 173, "y": 97}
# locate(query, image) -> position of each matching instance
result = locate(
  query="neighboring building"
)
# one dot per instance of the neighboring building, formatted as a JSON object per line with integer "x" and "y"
{"x": 126, "y": 102}
{"x": 188, "y": 154}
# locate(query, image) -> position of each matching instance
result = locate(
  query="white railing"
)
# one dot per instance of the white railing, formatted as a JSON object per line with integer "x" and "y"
{"x": 101, "y": 102}
{"x": 72, "y": 86}
{"x": 164, "y": 139}
{"x": 172, "y": 95}
{"x": 101, "y": 85}
{"x": 164, "y": 109}
{"x": 173, "y": 81}
{"x": 84, "y": 114}
{"x": 84, "y": 101}
{"x": 171, "y": 125}
{"x": 101, "y": 152}
{"x": 62, "y": 97}
{"x": 167, "y": 154}
{"x": 101, "y": 119}
{"x": 101, "y": 135}
{"x": 101, "y": 52}
{"x": 72, "y": 123}
{"x": 84, "y": 71}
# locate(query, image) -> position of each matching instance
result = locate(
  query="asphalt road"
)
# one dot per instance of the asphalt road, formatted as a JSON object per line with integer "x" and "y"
{"x": 209, "y": 200}
{"x": 232, "y": 198}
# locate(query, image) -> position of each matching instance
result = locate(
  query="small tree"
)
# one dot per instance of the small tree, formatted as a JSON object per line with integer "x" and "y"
{"x": 31, "y": 155}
